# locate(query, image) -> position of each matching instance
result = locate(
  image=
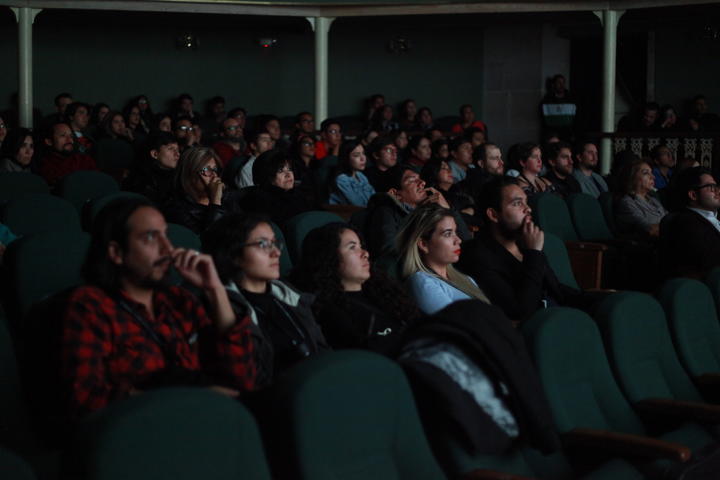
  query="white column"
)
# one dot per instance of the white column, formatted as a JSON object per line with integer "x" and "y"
{"x": 321, "y": 26}
{"x": 25, "y": 17}
{"x": 609, "y": 19}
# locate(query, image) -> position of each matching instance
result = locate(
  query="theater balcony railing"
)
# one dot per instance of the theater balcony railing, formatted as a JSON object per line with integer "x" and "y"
{"x": 704, "y": 147}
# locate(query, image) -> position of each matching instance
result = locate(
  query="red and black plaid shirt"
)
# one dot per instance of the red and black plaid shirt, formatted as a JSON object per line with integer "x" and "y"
{"x": 106, "y": 351}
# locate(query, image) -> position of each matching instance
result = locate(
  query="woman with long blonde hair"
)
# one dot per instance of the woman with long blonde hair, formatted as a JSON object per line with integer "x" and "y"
{"x": 429, "y": 246}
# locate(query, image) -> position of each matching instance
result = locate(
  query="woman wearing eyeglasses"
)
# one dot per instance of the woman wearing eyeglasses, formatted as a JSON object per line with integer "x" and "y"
{"x": 200, "y": 197}
{"x": 247, "y": 257}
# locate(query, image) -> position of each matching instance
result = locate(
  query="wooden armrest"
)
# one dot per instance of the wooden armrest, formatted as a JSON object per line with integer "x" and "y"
{"x": 597, "y": 247}
{"x": 625, "y": 444}
{"x": 691, "y": 411}
{"x": 482, "y": 474}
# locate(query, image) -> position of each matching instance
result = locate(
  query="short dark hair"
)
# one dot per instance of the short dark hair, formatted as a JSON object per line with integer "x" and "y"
{"x": 299, "y": 116}
{"x": 491, "y": 194}
{"x": 463, "y": 107}
{"x": 110, "y": 225}
{"x": 470, "y": 131}
{"x": 552, "y": 150}
{"x": 74, "y": 107}
{"x": 655, "y": 152}
{"x": 179, "y": 119}
{"x": 325, "y": 125}
{"x": 14, "y": 141}
{"x": 50, "y": 131}
{"x": 225, "y": 241}
{"x": 380, "y": 142}
{"x": 160, "y": 139}
{"x": 457, "y": 142}
{"x": 216, "y": 99}
{"x": 480, "y": 152}
{"x": 60, "y": 96}
{"x": 395, "y": 175}
{"x": 684, "y": 182}
{"x": 430, "y": 171}
{"x": 184, "y": 96}
{"x": 236, "y": 110}
{"x": 261, "y": 121}
{"x": 267, "y": 164}
{"x": 414, "y": 141}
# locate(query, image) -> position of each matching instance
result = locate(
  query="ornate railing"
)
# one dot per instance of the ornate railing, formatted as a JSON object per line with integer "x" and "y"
{"x": 701, "y": 146}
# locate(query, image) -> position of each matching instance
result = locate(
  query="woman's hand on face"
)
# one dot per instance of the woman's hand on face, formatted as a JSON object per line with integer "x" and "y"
{"x": 215, "y": 190}
{"x": 654, "y": 230}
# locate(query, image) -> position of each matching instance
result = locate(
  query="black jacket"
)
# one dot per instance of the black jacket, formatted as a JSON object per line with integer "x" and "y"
{"x": 689, "y": 245}
{"x": 486, "y": 336}
{"x": 156, "y": 183}
{"x": 183, "y": 210}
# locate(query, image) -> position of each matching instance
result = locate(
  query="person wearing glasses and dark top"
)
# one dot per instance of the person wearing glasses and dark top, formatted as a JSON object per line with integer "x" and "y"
{"x": 247, "y": 256}
{"x": 185, "y": 133}
{"x": 200, "y": 197}
{"x": 690, "y": 238}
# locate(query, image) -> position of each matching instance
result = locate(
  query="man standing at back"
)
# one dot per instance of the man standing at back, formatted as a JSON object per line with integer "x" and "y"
{"x": 128, "y": 331}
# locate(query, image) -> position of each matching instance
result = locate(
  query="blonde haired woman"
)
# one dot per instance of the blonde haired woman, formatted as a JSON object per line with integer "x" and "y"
{"x": 429, "y": 245}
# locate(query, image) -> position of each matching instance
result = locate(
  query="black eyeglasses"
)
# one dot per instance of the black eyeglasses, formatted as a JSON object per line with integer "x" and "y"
{"x": 209, "y": 171}
{"x": 712, "y": 186}
{"x": 265, "y": 244}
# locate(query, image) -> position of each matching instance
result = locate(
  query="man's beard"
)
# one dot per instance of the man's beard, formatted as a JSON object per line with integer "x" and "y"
{"x": 510, "y": 233}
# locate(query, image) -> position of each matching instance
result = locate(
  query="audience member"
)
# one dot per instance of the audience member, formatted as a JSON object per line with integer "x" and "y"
{"x": 400, "y": 137}
{"x": 200, "y": 197}
{"x": 154, "y": 175}
{"x": 438, "y": 174}
{"x": 529, "y": 158}
{"x": 419, "y": 151}
{"x": 184, "y": 107}
{"x": 356, "y": 305}
{"x": 260, "y": 142}
{"x": 586, "y": 160}
{"x": 558, "y": 109}
{"x": 230, "y": 143}
{"x": 247, "y": 256}
{"x": 113, "y": 151}
{"x": 408, "y": 114}
{"x": 690, "y": 238}
{"x": 385, "y": 156}
{"x": 664, "y": 161}
{"x": 700, "y": 119}
{"x": 645, "y": 121}
{"x": 476, "y": 136}
{"x": 424, "y": 120}
{"x": 162, "y": 122}
{"x": 441, "y": 149}
{"x": 637, "y": 211}
{"x": 488, "y": 164}
{"x": 461, "y": 158}
{"x": 18, "y": 151}
{"x": 429, "y": 245}
{"x": 560, "y": 173}
{"x": 127, "y": 331}
{"x": 61, "y": 158}
{"x": 507, "y": 259}
{"x": 184, "y": 132}
{"x": 351, "y": 186}
{"x": 330, "y": 139}
{"x": 78, "y": 117}
{"x": 467, "y": 120}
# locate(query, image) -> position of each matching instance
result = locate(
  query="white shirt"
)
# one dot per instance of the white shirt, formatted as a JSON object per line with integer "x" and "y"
{"x": 708, "y": 215}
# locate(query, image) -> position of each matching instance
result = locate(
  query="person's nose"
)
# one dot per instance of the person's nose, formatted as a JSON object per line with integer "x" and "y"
{"x": 165, "y": 245}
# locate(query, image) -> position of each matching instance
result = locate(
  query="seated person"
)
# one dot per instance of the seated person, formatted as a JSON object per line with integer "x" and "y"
{"x": 429, "y": 246}
{"x": 586, "y": 160}
{"x": 386, "y": 211}
{"x": 114, "y": 151}
{"x": 488, "y": 164}
{"x": 351, "y": 186}
{"x": 302, "y": 154}
{"x": 356, "y": 305}
{"x": 247, "y": 256}
{"x": 438, "y": 174}
{"x": 559, "y": 157}
{"x": 260, "y": 142}
{"x": 664, "y": 161}
{"x": 467, "y": 120}
{"x": 385, "y": 156}
{"x": 154, "y": 175}
{"x": 18, "y": 150}
{"x": 507, "y": 260}
{"x": 61, "y": 159}
{"x": 275, "y": 194}
{"x": 637, "y": 211}
{"x": 420, "y": 151}
{"x": 529, "y": 158}
{"x": 461, "y": 158}
{"x": 78, "y": 116}
{"x": 128, "y": 331}
{"x": 330, "y": 139}
{"x": 690, "y": 238}
{"x": 231, "y": 143}
{"x": 184, "y": 132}
{"x": 200, "y": 197}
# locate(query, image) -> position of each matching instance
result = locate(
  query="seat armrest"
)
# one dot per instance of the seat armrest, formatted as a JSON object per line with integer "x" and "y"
{"x": 682, "y": 410}
{"x": 593, "y": 246}
{"x": 625, "y": 444}
{"x": 482, "y": 474}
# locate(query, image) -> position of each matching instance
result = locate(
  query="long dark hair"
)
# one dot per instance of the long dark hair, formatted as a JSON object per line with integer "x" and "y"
{"x": 110, "y": 225}
{"x": 319, "y": 272}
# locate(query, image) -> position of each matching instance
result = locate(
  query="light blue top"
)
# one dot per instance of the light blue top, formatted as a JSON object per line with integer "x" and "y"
{"x": 458, "y": 173}
{"x": 352, "y": 190}
{"x": 433, "y": 294}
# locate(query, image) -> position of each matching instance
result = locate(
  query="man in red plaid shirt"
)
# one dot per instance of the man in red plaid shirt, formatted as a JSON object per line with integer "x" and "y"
{"x": 129, "y": 331}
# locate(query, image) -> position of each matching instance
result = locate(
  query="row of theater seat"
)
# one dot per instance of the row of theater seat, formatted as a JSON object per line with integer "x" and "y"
{"x": 612, "y": 383}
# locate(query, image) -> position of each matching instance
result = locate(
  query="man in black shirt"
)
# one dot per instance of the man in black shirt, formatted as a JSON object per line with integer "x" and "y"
{"x": 559, "y": 157}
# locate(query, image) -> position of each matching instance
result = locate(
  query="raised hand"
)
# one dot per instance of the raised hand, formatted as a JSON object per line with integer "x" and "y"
{"x": 197, "y": 268}
{"x": 532, "y": 237}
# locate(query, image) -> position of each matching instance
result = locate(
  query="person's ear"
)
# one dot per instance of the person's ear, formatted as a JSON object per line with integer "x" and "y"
{"x": 423, "y": 246}
{"x": 154, "y": 154}
{"x": 693, "y": 195}
{"x": 48, "y": 142}
{"x": 492, "y": 215}
{"x": 115, "y": 253}
{"x": 394, "y": 193}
